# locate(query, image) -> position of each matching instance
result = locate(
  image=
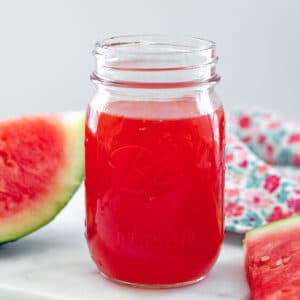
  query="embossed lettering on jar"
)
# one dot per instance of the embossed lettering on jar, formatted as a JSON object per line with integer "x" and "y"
{"x": 155, "y": 160}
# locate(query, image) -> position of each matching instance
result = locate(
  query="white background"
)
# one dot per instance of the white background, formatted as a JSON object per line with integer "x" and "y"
{"x": 46, "y": 59}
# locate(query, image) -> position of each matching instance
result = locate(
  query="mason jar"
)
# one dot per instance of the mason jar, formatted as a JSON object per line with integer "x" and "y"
{"x": 154, "y": 158}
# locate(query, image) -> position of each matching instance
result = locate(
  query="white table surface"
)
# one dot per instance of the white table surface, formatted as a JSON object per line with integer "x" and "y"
{"x": 54, "y": 263}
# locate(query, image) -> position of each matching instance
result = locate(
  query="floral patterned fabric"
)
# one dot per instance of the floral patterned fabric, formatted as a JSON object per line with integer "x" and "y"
{"x": 262, "y": 169}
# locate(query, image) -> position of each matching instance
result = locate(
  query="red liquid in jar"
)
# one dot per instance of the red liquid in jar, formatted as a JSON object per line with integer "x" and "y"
{"x": 154, "y": 190}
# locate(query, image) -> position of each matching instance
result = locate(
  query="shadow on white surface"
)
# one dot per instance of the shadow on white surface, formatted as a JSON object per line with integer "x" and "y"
{"x": 27, "y": 247}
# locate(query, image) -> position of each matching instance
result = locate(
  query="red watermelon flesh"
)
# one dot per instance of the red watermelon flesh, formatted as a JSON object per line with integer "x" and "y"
{"x": 41, "y": 166}
{"x": 272, "y": 260}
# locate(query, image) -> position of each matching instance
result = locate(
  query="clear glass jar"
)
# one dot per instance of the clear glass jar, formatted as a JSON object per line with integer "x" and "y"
{"x": 155, "y": 160}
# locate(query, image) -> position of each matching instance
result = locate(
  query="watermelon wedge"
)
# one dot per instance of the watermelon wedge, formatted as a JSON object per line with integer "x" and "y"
{"x": 272, "y": 260}
{"x": 41, "y": 167}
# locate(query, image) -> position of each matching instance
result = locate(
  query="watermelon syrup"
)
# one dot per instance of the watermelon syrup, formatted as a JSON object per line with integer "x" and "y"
{"x": 154, "y": 168}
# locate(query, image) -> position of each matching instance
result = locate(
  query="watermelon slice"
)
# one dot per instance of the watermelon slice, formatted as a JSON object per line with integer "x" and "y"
{"x": 41, "y": 167}
{"x": 272, "y": 260}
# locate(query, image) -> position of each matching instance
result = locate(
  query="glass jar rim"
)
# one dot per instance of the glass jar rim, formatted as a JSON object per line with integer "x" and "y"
{"x": 201, "y": 51}
{"x": 191, "y": 43}
{"x": 155, "y": 57}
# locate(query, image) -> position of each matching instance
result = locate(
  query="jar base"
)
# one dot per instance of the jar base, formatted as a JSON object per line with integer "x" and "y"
{"x": 154, "y": 285}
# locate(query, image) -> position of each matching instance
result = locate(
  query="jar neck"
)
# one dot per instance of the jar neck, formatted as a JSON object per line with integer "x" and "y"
{"x": 155, "y": 62}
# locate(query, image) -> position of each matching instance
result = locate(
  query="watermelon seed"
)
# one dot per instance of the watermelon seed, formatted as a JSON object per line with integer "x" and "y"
{"x": 278, "y": 262}
{"x": 264, "y": 258}
{"x": 286, "y": 260}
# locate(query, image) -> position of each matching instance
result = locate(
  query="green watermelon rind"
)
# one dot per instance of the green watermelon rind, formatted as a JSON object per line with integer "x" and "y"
{"x": 64, "y": 188}
{"x": 277, "y": 226}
